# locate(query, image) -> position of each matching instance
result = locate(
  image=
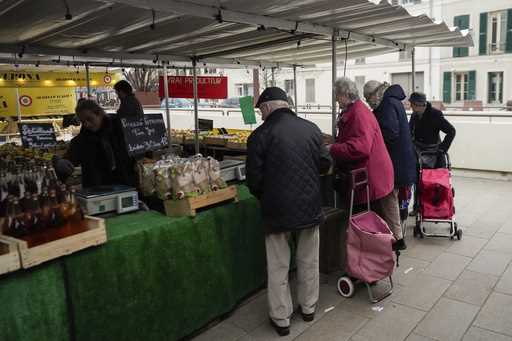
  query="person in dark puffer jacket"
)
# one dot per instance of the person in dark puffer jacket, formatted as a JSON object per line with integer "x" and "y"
{"x": 130, "y": 105}
{"x": 386, "y": 102}
{"x": 285, "y": 158}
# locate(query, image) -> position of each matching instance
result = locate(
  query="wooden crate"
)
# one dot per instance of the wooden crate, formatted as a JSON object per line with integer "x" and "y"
{"x": 215, "y": 141}
{"x": 61, "y": 241}
{"x": 9, "y": 256}
{"x": 236, "y": 145}
{"x": 189, "y": 206}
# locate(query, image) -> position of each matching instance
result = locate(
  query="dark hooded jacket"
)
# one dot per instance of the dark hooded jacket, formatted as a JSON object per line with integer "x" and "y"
{"x": 130, "y": 107}
{"x": 393, "y": 123}
{"x": 425, "y": 128}
{"x": 103, "y": 156}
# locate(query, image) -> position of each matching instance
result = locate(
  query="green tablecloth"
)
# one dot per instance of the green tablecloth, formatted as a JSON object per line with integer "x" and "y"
{"x": 157, "y": 278}
{"x": 33, "y": 305}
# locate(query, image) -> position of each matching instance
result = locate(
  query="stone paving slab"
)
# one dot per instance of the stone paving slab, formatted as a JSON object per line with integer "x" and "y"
{"x": 472, "y": 287}
{"x": 448, "y": 320}
{"x": 496, "y": 315}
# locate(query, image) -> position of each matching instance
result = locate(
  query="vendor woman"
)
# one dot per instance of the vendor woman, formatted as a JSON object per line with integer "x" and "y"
{"x": 99, "y": 148}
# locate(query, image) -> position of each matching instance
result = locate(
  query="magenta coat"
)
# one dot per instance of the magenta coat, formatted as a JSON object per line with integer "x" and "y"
{"x": 360, "y": 144}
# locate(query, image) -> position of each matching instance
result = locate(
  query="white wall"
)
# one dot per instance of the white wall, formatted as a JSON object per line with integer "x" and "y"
{"x": 480, "y": 144}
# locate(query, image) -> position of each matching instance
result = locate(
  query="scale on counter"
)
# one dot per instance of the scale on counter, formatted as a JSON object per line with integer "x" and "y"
{"x": 104, "y": 199}
{"x": 231, "y": 170}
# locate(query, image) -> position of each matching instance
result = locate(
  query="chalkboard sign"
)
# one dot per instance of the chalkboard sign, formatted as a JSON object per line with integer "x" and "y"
{"x": 205, "y": 125}
{"x": 37, "y": 135}
{"x": 144, "y": 134}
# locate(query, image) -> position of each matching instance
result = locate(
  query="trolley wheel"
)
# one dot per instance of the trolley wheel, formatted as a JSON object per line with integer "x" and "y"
{"x": 346, "y": 287}
{"x": 459, "y": 234}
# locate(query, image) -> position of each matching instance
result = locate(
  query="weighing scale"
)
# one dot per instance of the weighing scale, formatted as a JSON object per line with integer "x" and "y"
{"x": 103, "y": 199}
{"x": 231, "y": 170}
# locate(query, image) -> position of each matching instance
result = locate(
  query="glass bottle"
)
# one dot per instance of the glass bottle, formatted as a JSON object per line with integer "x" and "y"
{"x": 18, "y": 223}
{"x": 45, "y": 209}
{"x": 75, "y": 213}
{"x": 55, "y": 216}
{"x": 36, "y": 209}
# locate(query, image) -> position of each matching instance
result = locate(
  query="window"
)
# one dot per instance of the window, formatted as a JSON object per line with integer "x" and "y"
{"x": 288, "y": 87}
{"x": 495, "y": 88}
{"x": 310, "y": 90}
{"x": 461, "y": 86}
{"x": 360, "y": 61}
{"x": 244, "y": 89}
{"x": 405, "y": 55}
{"x": 497, "y": 31}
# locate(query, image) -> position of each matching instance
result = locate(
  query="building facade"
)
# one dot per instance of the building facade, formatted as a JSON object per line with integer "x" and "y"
{"x": 479, "y": 76}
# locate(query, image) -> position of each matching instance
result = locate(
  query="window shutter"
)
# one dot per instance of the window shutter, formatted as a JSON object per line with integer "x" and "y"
{"x": 508, "y": 47}
{"x": 483, "y": 34}
{"x": 447, "y": 87}
{"x": 472, "y": 86}
{"x": 462, "y": 22}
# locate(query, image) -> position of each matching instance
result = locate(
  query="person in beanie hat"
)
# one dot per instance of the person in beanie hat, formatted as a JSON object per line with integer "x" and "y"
{"x": 285, "y": 157}
{"x": 386, "y": 102}
{"x": 425, "y": 125}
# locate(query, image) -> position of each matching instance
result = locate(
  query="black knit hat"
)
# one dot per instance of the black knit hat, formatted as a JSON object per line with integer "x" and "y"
{"x": 272, "y": 94}
{"x": 418, "y": 97}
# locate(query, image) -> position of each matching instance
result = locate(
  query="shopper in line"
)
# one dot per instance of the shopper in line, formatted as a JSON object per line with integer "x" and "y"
{"x": 386, "y": 102}
{"x": 130, "y": 105}
{"x": 359, "y": 144}
{"x": 285, "y": 159}
{"x": 425, "y": 125}
{"x": 99, "y": 148}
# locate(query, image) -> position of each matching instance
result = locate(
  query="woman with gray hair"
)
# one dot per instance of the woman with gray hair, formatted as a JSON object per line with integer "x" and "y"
{"x": 359, "y": 144}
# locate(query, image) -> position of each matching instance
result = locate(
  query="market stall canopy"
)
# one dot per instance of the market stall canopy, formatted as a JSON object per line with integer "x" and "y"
{"x": 262, "y": 32}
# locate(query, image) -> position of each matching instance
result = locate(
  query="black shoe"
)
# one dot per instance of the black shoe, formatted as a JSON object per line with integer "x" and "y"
{"x": 307, "y": 317}
{"x": 399, "y": 245}
{"x": 282, "y": 331}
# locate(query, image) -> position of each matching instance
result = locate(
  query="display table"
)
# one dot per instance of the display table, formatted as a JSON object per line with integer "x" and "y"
{"x": 157, "y": 278}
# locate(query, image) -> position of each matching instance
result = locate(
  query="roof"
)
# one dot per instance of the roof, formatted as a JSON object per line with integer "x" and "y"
{"x": 257, "y": 32}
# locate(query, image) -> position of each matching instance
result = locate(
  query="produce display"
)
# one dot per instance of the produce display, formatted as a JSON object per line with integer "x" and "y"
{"x": 178, "y": 178}
{"x": 31, "y": 196}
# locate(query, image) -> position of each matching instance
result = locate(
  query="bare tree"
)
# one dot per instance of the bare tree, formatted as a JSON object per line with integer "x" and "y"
{"x": 142, "y": 79}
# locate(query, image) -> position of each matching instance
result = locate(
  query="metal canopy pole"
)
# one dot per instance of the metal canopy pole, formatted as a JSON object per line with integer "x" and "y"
{"x": 87, "y": 80}
{"x": 167, "y": 112}
{"x": 18, "y": 107}
{"x": 413, "y": 60}
{"x": 273, "y": 77}
{"x": 196, "y": 113}
{"x": 334, "y": 75}
{"x": 295, "y": 89}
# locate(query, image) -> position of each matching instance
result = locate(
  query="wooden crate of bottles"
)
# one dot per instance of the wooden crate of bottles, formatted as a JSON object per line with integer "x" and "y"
{"x": 55, "y": 242}
{"x": 9, "y": 256}
{"x": 40, "y": 214}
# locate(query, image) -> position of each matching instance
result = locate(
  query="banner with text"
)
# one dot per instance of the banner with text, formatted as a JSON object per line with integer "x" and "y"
{"x": 37, "y": 102}
{"x": 207, "y": 87}
{"x": 34, "y": 79}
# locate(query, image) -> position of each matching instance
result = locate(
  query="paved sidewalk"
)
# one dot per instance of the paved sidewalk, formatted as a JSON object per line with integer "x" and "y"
{"x": 444, "y": 290}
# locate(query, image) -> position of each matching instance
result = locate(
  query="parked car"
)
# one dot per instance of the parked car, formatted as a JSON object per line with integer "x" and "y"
{"x": 233, "y": 102}
{"x": 177, "y": 103}
{"x": 183, "y": 103}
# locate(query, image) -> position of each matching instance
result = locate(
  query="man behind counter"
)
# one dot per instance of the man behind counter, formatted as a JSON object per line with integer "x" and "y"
{"x": 130, "y": 105}
{"x": 99, "y": 148}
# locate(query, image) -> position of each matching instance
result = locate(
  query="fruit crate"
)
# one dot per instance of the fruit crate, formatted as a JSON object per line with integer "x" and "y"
{"x": 51, "y": 243}
{"x": 189, "y": 206}
{"x": 236, "y": 145}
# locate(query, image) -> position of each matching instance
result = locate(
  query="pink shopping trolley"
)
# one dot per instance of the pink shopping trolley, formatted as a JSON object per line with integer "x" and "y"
{"x": 369, "y": 246}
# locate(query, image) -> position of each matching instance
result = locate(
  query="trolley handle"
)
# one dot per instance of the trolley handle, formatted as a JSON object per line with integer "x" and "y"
{"x": 362, "y": 175}
{"x": 437, "y": 153}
